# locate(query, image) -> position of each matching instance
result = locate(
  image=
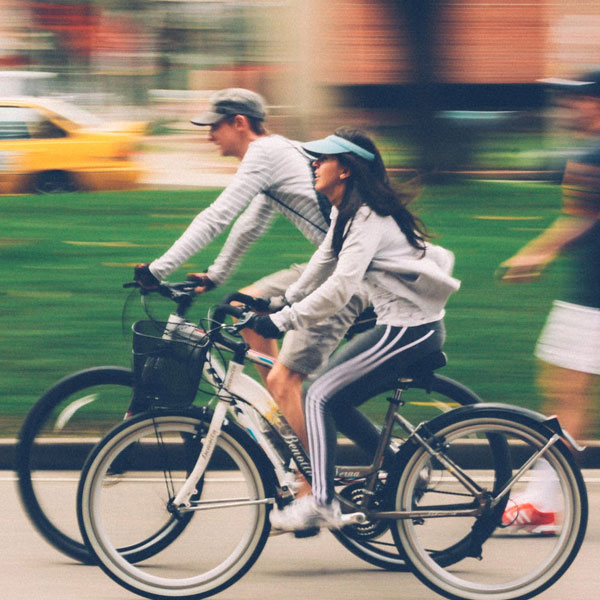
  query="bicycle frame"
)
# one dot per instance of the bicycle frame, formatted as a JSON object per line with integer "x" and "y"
{"x": 250, "y": 398}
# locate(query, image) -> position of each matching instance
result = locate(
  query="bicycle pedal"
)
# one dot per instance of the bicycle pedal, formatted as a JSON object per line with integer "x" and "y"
{"x": 305, "y": 533}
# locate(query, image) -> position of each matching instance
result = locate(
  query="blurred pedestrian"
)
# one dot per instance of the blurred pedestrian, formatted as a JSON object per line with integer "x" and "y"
{"x": 569, "y": 345}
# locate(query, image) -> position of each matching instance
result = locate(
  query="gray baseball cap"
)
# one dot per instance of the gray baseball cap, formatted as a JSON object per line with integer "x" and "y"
{"x": 232, "y": 101}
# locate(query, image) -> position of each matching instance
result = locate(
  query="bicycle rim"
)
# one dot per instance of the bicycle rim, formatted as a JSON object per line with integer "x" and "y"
{"x": 216, "y": 547}
{"x": 511, "y": 563}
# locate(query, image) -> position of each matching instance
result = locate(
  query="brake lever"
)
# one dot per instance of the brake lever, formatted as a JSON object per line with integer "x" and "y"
{"x": 242, "y": 322}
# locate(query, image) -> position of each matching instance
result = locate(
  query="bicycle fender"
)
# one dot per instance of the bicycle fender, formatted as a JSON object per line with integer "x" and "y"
{"x": 67, "y": 380}
{"x": 520, "y": 414}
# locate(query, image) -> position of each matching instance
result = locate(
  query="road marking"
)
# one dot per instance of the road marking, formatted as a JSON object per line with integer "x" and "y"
{"x": 505, "y": 218}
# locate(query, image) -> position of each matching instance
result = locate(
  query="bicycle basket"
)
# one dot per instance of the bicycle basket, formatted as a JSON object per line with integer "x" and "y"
{"x": 167, "y": 367}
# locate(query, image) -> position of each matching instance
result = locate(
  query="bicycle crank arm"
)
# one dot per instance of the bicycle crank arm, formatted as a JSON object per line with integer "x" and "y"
{"x": 354, "y": 518}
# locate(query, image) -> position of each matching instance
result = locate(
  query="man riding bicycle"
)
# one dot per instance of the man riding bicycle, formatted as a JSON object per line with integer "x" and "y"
{"x": 274, "y": 176}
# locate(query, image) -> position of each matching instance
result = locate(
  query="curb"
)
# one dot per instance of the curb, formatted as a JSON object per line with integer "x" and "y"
{"x": 71, "y": 454}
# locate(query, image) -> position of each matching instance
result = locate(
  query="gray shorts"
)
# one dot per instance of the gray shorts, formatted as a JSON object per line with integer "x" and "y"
{"x": 305, "y": 350}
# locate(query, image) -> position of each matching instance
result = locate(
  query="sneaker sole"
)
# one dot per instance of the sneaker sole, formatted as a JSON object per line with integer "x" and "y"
{"x": 524, "y": 530}
{"x": 306, "y": 533}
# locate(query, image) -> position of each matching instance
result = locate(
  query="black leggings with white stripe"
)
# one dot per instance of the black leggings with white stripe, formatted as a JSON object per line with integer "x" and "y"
{"x": 366, "y": 366}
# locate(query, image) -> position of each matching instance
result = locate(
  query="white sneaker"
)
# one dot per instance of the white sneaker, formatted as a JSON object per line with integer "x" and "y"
{"x": 305, "y": 513}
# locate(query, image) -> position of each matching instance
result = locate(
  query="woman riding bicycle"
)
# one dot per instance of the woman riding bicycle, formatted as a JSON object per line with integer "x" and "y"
{"x": 374, "y": 241}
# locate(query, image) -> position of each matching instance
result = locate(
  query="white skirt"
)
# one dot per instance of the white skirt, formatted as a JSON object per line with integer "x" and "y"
{"x": 571, "y": 338}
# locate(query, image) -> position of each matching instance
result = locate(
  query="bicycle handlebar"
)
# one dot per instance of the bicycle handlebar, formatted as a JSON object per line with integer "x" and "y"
{"x": 183, "y": 295}
{"x": 257, "y": 304}
{"x": 243, "y": 313}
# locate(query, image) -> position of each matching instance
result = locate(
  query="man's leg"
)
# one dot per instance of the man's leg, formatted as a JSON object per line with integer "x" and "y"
{"x": 274, "y": 284}
{"x": 302, "y": 353}
{"x": 258, "y": 342}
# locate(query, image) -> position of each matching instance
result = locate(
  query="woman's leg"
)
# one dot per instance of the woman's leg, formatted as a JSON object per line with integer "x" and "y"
{"x": 348, "y": 381}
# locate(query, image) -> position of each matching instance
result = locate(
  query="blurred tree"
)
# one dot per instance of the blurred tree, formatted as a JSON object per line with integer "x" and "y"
{"x": 419, "y": 23}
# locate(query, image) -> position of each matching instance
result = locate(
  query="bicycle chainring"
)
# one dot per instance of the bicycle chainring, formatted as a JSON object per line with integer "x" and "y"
{"x": 369, "y": 530}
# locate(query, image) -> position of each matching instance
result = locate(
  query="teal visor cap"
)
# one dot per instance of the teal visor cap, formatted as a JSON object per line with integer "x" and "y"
{"x": 334, "y": 144}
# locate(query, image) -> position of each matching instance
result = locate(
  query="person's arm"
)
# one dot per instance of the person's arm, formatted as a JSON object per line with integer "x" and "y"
{"x": 333, "y": 294}
{"x": 581, "y": 212}
{"x": 250, "y": 179}
{"x": 249, "y": 227}
{"x": 320, "y": 266}
{"x": 543, "y": 249}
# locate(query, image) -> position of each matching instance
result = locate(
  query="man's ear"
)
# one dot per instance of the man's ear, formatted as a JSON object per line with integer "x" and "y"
{"x": 241, "y": 122}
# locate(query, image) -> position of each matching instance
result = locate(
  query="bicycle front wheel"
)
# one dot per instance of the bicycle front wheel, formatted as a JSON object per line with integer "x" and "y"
{"x": 489, "y": 558}
{"x": 73, "y": 414}
{"x": 119, "y": 508}
{"x": 373, "y": 541}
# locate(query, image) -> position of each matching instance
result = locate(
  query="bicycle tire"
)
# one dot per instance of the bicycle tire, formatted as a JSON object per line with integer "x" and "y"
{"x": 207, "y": 557}
{"x": 382, "y": 552}
{"x": 60, "y": 530}
{"x": 491, "y": 565}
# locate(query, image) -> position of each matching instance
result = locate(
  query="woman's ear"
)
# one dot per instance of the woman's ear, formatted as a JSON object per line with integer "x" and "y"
{"x": 345, "y": 173}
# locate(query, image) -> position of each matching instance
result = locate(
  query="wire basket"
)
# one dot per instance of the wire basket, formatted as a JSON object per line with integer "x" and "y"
{"x": 167, "y": 367}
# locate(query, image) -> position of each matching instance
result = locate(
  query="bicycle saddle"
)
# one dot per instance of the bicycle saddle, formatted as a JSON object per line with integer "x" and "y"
{"x": 427, "y": 364}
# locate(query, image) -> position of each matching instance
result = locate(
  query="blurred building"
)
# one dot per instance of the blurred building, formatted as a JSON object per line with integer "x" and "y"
{"x": 306, "y": 56}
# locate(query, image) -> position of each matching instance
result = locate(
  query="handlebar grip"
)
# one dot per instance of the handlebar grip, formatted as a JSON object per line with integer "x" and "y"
{"x": 255, "y": 303}
{"x": 226, "y": 309}
{"x": 238, "y": 297}
{"x": 239, "y": 347}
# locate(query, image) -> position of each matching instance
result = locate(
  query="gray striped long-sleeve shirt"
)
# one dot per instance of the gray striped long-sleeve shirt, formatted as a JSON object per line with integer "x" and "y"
{"x": 273, "y": 166}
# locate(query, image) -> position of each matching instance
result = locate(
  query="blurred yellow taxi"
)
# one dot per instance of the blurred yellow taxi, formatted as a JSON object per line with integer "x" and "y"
{"x": 49, "y": 146}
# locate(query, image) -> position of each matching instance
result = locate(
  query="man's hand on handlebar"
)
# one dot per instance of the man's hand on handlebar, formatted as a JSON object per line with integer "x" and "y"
{"x": 205, "y": 284}
{"x": 143, "y": 276}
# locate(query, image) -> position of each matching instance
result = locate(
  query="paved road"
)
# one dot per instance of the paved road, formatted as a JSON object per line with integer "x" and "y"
{"x": 317, "y": 568}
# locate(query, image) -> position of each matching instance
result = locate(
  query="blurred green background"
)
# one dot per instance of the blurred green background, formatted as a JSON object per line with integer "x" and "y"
{"x": 65, "y": 257}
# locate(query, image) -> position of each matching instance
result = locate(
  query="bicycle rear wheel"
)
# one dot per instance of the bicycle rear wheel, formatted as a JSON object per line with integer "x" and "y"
{"x": 477, "y": 558}
{"x": 425, "y": 399}
{"x": 223, "y": 538}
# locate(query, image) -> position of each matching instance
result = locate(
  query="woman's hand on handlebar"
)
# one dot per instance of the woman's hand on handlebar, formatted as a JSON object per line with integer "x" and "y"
{"x": 263, "y": 325}
{"x": 276, "y": 303}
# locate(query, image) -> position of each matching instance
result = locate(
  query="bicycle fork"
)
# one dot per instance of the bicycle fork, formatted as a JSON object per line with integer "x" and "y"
{"x": 188, "y": 489}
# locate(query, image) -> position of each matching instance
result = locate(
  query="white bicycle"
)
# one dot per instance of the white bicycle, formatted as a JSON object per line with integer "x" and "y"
{"x": 174, "y": 503}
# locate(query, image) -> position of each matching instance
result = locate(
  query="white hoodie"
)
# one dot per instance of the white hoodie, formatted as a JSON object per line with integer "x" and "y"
{"x": 405, "y": 286}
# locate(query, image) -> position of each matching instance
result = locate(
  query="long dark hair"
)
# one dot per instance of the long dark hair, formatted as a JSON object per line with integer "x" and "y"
{"x": 369, "y": 184}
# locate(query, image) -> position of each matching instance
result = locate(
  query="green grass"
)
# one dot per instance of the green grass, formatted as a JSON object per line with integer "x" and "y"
{"x": 65, "y": 257}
